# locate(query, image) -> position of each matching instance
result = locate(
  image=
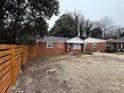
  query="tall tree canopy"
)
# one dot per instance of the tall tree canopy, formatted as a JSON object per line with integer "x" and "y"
{"x": 96, "y": 32}
{"x": 64, "y": 27}
{"x": 21, "y": 20}
{"x": 68, "y": 25}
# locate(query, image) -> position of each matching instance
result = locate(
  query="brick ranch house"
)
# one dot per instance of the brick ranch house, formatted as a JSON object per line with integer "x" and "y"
{"x": 58, "y": 45}
{"x": 118, "y": 44}
{"x": 95, "y": 44}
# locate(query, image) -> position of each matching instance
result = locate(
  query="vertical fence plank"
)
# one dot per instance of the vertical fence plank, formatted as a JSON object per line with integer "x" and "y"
{"x": 12, "y": 64}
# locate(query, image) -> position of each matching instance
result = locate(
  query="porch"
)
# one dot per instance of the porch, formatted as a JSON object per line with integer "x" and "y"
{"x": 74, "y": 45}
{"x": 117, "y": 45}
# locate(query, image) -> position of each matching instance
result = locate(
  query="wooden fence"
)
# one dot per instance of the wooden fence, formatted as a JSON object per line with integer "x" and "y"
{"x": 11, "y": 59}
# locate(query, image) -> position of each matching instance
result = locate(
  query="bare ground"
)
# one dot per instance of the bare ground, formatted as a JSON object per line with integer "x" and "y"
{"x": 98, "y": 73}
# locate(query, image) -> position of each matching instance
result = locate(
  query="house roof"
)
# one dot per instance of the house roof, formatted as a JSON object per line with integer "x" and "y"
{"x": 53, "y": 39}
{"x": 116, "y": 41}
{"x": 76, "y": 40}
{"x": 93, "y": 40}
{"x": 112, "y": 40}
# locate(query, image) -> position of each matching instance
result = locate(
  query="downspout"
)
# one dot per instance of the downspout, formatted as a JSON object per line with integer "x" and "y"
{"x": 66, "y": 48}
{"x": 84, "y": 47}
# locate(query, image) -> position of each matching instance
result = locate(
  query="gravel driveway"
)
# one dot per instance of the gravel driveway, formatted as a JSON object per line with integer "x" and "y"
{"x": 98, "y": 73}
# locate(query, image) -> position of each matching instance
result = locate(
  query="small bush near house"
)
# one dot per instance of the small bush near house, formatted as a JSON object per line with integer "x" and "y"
{"x": 111, "y": 50}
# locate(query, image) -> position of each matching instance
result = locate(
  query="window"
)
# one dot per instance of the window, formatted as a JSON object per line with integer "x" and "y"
{"x": 76, "y": 46}
{"x": 94, "y": 45}
{"x": 49, "y": 45}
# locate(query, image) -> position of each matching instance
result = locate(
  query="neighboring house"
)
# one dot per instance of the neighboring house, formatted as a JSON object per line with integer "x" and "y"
{"x": 116, "y": 44}
{"x": 94, "y": 45}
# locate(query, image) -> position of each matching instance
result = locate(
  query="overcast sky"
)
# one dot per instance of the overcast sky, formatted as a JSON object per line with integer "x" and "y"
{"x": 93, "y": 9}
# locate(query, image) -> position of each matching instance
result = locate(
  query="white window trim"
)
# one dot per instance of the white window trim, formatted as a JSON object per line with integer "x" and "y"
{"x": 76, "y": 46}
{"x": 94, "y": 44}
{"x": 49, "y": 43}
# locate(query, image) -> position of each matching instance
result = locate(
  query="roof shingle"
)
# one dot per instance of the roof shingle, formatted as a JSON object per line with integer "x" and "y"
{"x": 53, "y": 39}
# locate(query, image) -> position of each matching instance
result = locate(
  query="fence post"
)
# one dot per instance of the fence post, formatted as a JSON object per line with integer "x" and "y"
{"x": 13, "y": 64}
{"x": 23, "y": 53}
{"x": 22, "y": 58}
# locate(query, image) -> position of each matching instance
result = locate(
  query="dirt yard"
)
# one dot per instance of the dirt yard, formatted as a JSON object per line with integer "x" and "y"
{"x": 98, "y": 73}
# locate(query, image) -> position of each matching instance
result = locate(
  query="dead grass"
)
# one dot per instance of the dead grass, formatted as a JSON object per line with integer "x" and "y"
{"x": 121, "y": 53}
{"x": 98, "y": 73}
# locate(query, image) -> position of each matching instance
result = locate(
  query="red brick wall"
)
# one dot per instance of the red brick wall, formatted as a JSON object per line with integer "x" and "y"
{"x": 100, "y": 47}
{"x": 58, "y": 48}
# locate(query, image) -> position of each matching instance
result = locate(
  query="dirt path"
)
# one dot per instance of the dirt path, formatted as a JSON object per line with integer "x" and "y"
{"x": 73, "y": 74}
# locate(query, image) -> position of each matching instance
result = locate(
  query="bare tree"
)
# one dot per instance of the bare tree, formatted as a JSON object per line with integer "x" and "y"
{"x": 115, "y": 32}
{"x": 106, "y": 24}
{"x": 79, "y": 21}
{"x": 89, "y": 26}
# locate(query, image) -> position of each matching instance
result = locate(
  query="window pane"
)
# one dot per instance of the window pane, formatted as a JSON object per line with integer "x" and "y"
{"x": 94, "y": 45}
{"x": 49, "y": 45}
{"x": 76, "y": 46}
